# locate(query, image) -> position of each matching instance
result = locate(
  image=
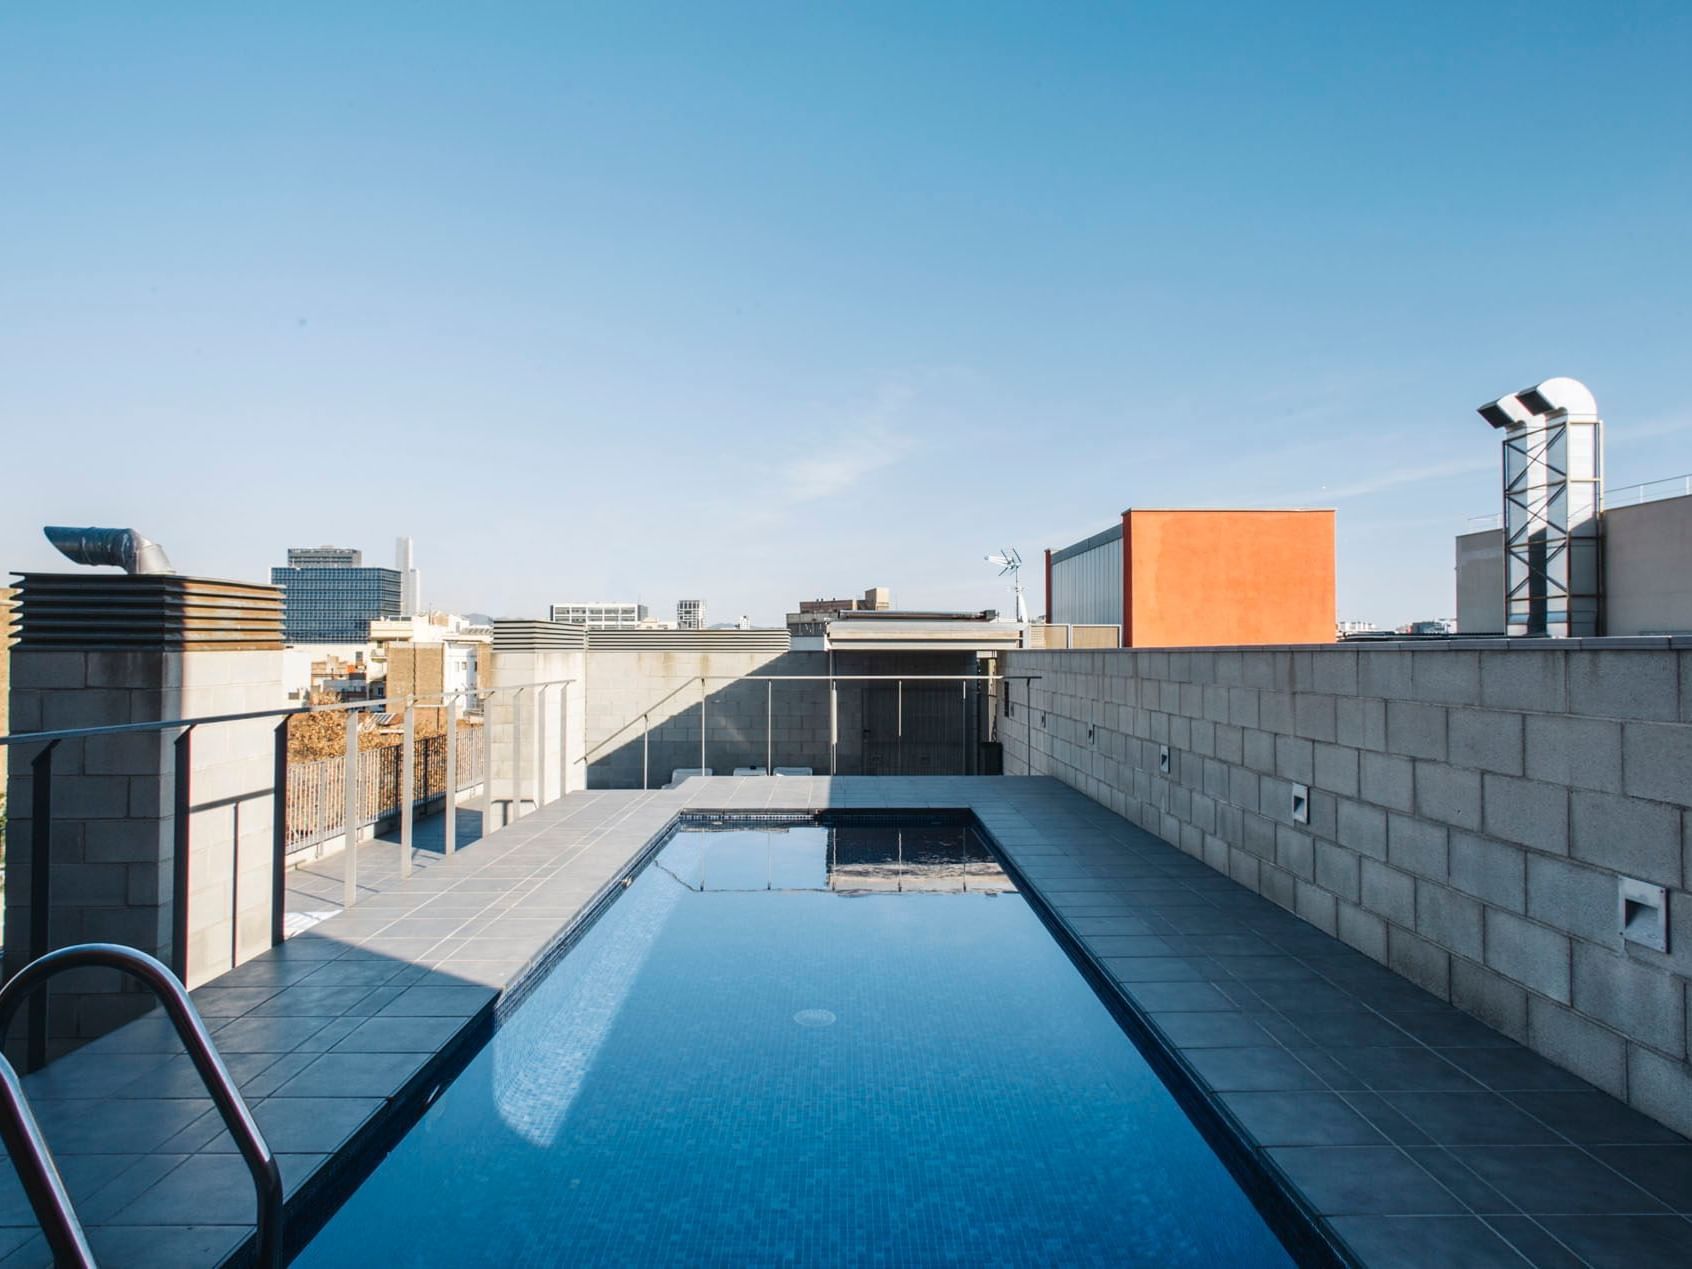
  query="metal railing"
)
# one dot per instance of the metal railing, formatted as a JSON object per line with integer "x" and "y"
{"x": 770, "y": 681}
{"x": 182, "y": 807}
{"x": 38, "y": 1174}
{"x": 40, "y": 1177}
{"x": 1620, "y": 496}
{"x": 316, "y": 806}
{"x": 408, "y": 766}
{"x": 1649, "y": 491}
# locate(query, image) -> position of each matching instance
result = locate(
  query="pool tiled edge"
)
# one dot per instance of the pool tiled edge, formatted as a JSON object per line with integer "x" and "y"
{"x": 1408, "y": 1130}
{"x": 1282, "y": 1204}
{"x": 1412, "y": 1132}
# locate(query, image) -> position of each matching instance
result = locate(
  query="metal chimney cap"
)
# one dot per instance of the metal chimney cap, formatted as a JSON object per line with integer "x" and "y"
{"x": 1506, "y": 412}
{"x": 113, "y": 548}
{"x": 1560, "y": 395}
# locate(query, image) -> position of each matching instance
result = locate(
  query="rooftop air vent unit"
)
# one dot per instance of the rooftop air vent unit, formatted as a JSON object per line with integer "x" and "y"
{"x": 114, "y": 548}
{"x": 1553, "y": 498}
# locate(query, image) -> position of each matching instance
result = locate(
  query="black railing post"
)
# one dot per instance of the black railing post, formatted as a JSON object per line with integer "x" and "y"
{"x": 179, "y": 865}
{"x": 279, "y": 839}
{"x": 40, "y": 894}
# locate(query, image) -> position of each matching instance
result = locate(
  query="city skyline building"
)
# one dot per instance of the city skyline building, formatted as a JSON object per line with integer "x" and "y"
{"x": 690, "y": 614}
{"x": 411, "y": 581}
{"x": 325, "y": 557}
{"x": 599, "y": 614}
{"x": 334, "y": 602}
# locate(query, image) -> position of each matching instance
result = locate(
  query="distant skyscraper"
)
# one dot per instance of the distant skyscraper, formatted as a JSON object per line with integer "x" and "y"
{"x": 600, "y": 614}
{"x": 329, "y": 597}
{"x": 324, "y": 557}
{"x": 690, "y": 614}
{"x": 411, "y": 581}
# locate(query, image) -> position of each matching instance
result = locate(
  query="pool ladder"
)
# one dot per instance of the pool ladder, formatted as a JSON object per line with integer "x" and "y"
{"x": 28, "y": 1148}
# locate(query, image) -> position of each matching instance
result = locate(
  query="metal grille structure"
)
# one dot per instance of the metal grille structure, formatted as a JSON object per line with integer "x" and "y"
{"x": 1553, "y": 471}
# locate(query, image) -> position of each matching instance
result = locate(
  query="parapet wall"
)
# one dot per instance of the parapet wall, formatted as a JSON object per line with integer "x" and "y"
{"x": 1472, "y": 810}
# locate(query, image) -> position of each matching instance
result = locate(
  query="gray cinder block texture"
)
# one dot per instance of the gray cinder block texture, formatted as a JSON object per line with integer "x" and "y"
{"x": 1416, "y": 730}
{"x": 1644, "y": 1005}
{"x": 1527, "y": 811}
{"x": 1472, "y": 813}
{"x": 1534, "y": 955}
{"x": 1448, "y": 795}
{"x": 1660, "y": 1087}
{"x": 1451, "y": 678}
{"x": 1656, "y": 762}
{"x": 1389, "y": 893}
{"x": 1494, "y": 872}
{"x": 1644, "y": 685}
{"x": 1486, "y": 740}
{"x": 1629, "y": 835}
{"x": 1491, "y": 997}
{"x": 1523, "y": 679}
{"x": 1387, "y": 780}
{"x": 1449, "y": 919}
{"x": 1583, "y": 752}
{"x": 1592, "y": 1051}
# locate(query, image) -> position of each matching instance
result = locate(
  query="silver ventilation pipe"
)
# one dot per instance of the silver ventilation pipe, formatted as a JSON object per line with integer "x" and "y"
{"x": 115, "y": 548}
{"x": 1553, "y": 504}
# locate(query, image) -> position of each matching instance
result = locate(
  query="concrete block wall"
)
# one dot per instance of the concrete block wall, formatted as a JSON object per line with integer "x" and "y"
{"x": 112, "y": 828}
{"x": 113, "y": 843}
{"x": 544, "y": 712}
{"x": 232, "y": 831}
{"x": 1472, "y": 809}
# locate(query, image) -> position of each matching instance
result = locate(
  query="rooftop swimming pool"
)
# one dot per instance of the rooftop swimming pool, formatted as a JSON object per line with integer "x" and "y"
{"x": 807, "y": 1042}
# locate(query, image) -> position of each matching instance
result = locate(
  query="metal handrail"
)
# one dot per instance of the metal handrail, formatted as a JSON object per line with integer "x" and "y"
{"x": 644, "y": 717}
{"x": 261, "y": 1163}
{"x": 861, "y": 678}
{"x": 163, "y": 724}
{"x": 449, "y": 701}
{"x": 1614, "y": 496}
{"x": 206, "y": 720}
{"x": 41, "y": 818}
{"x": 691, "y": 679}
{"x": 38, "y": 1174}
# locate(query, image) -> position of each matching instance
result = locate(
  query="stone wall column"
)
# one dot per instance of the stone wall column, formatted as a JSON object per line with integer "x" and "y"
{"x": 526, "y": 653}
{"x": 99, "y": 650}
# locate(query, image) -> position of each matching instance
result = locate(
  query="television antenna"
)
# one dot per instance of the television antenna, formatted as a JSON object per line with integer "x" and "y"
{"x": 1009, "y": 561}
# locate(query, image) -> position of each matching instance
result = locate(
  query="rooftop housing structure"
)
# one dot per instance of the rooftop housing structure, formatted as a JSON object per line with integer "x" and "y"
{"x": 1187, "y": 577}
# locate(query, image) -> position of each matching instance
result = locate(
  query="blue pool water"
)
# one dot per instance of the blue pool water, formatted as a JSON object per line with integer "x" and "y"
{"x": 806, "y": 1046}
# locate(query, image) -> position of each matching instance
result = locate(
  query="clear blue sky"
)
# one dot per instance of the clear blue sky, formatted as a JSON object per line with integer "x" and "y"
{"x": 760, "y": 302}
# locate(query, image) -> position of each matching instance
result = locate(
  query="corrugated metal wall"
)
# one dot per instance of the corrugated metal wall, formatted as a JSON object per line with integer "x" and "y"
{"x": 1087, "y": 581}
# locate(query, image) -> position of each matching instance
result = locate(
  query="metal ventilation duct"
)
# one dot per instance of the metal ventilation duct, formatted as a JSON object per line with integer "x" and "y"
{"x": 115, "y": 548}
{"x": 1553, "y": 500}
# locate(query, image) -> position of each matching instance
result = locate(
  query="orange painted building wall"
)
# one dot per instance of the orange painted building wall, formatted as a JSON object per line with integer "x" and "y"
{"x": 1211, "y": 578}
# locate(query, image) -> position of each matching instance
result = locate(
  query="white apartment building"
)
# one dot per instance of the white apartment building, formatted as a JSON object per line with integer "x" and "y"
{"x": 600, "y": 614}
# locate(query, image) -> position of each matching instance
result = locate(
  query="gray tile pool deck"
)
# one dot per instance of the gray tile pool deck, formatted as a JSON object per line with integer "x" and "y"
{"x": 1415, "y": 1134}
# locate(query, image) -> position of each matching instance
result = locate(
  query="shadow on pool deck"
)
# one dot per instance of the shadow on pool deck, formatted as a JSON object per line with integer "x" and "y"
{"x": 316, "y": 889}
{"x": 335, "y": 1038}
